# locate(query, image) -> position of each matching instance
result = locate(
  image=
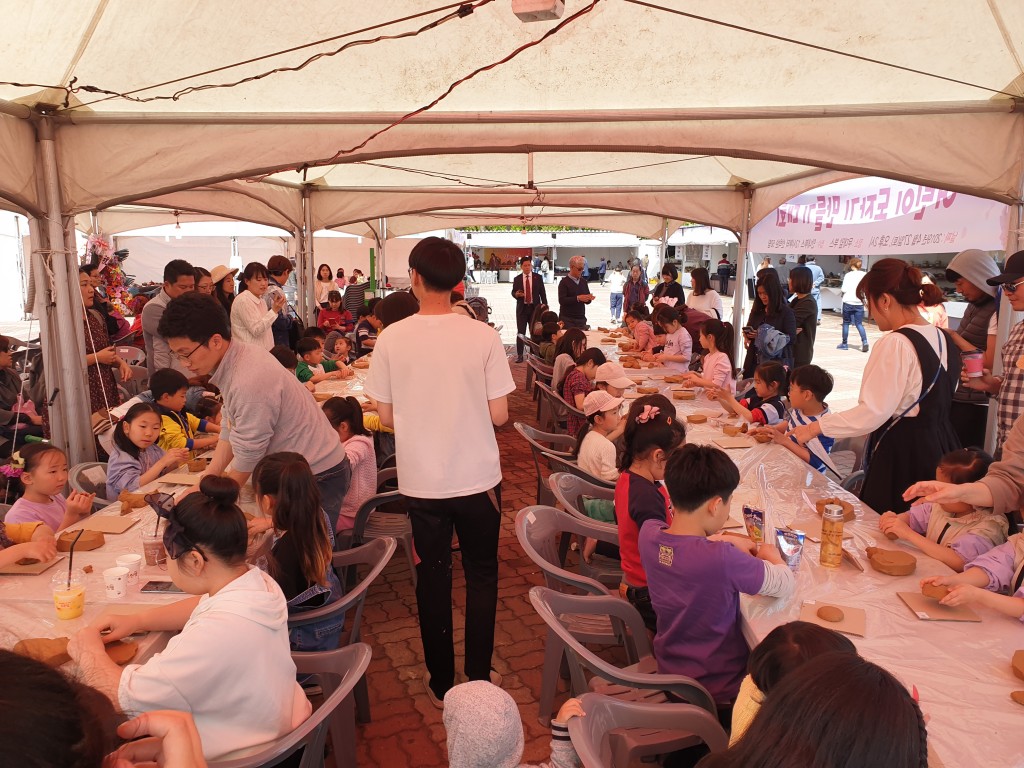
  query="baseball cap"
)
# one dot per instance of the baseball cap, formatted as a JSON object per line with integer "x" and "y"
{"x": 614, "y": 374}
{"x": 598, "y": 401}
{"x": 1013, "y": 270}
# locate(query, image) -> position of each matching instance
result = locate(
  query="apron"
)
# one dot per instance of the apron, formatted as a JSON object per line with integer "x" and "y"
{"x": 945, "y": 529}
{"x": 906, "y": 449}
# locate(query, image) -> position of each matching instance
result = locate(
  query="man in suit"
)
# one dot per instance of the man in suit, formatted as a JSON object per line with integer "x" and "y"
{"x": 528, "y": 290}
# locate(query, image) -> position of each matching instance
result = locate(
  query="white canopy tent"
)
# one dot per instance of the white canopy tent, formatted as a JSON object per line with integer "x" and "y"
{"x": 713, "y": 120}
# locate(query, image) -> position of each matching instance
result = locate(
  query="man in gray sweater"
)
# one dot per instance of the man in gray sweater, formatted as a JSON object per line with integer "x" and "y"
{"x": 266, "y": 409}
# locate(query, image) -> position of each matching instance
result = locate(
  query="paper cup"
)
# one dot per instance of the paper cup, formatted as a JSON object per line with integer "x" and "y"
{"x": 134, "y": 564}
{"x": 69, "y": 602}
{"x": 115, "y": 582}
{"x": 974, "y": 362}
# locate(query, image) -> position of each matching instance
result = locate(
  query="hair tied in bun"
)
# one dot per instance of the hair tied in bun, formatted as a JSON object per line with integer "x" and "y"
{"x": 222, "y": 490}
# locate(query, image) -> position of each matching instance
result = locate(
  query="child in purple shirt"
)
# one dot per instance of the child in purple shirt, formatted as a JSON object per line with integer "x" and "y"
{"x": 953, "y": 533}
{"x": 695, "y": 581}
{"x": 998, "y": 571}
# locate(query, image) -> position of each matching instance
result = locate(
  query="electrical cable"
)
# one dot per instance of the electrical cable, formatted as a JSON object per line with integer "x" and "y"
{"x": 629, "y": 168}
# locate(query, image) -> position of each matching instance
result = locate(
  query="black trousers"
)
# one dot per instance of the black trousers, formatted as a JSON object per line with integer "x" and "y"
{"x": 723, "y": 285}
{"x": 477, "y": 520}
{"x": 523, "y": 314}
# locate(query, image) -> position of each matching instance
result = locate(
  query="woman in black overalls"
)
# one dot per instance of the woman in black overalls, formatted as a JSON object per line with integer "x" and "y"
{"x": 904, "y": 446}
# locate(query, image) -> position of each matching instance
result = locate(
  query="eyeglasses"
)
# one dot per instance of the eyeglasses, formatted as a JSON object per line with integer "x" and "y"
{"x": 1012, "y": 287}
{"x": 186, "y": 358}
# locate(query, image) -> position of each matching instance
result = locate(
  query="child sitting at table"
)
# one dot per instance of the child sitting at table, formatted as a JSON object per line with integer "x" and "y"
{"x": 762, "y": 403}
{"x": 578, "y": 383}
{"x": 137, "y": 459}
{"x": 338, "y": 347}
{"x": 26, "y": 541}
{"x": 652, "y": 433}
{"x": 367, "y": 328}
{"x": 809, "y": 385}
{"x": 209, "y": 409}
{"x": 230, "y": 664}
{"x": 335, "y": 317}
{"x": 678, "y": 345}
{"x": 595, "y": 454}
{"x": 286, "y": 357}
{"x": 179, "y": 429}
{"x": 300, "y": 560}
{"x": 695, "y": 581}
{"x": 347, "y": 417}
{"x": 43, "y": 471}
{"x": 642, "y": 331}
{"x": 549, "y": 335}
{"x": 313, "y": 368}
{"x": 953, "y": 533}
{"x": 718, "y": 365}
{"x": 783, "y": 650}
{"x": 986, "y": 579}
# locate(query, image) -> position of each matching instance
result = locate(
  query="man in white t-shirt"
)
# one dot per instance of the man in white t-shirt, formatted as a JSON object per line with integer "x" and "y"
{"x": 440, "y": 380}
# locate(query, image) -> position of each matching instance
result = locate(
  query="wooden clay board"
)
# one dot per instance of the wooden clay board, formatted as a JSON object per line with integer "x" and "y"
{"x": 854, "y": 621}
{"x": 108, "y": 523}
{"x": 31, "y": 570}
{"x": 928, "y": 609}
{"x": 726, "y": 442}
{"x": 811, "y": 526}
{"x": 179, "y": 478}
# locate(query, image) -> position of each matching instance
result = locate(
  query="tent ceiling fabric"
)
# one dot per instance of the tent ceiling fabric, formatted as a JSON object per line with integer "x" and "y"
{"x": 664, "y": 127}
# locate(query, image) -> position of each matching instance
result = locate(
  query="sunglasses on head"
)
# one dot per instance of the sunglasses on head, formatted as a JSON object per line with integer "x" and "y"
{"x": 175, "y": 541}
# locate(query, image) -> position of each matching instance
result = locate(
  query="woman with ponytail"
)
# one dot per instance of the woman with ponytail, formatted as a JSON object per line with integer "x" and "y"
{"x": 346, "y": 416}
{"x": 906, "y": 390}
{"x": 300, "y": 560}
{"x": 229, "y": 665}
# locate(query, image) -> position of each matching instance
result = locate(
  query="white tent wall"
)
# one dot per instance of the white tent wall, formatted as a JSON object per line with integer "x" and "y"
{"x": 13, "y": 266}
{"x": 148, "y": 255}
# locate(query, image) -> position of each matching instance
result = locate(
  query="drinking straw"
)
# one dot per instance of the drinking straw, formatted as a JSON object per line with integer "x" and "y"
{"x": 71, "y": 554}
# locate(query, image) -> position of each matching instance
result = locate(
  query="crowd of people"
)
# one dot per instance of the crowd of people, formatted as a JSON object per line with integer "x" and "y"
{"x": 235, "y": 372}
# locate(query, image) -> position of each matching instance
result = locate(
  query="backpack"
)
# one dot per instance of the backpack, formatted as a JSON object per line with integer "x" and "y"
{"x": 479, "y": 306}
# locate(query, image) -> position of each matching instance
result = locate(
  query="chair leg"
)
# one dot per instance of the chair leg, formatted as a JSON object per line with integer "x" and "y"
{"x": 407, "y": 546}
{"x": 362, "y": 694}
{"x": 343, "y": 734}
{"x": 563, "y": 547}
{"x": 553, "y": 653}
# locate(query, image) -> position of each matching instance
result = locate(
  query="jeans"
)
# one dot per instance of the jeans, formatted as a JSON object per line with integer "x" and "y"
{"x": 816, "y": 295}
{"x": 640, "y": 598}
{"x": 723, "y": 285}
{"x": 333, "y": 484}
{"x": 477, "y": 521}
{"x": 322, "y": 635}
{"x": 616, "y": 306}
{"x": 854, "y": 314}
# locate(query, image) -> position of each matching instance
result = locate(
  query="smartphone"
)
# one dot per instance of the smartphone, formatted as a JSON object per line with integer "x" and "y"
{"x": 167, "y": 587}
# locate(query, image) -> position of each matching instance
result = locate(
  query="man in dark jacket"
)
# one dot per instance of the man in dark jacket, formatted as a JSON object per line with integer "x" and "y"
{"x": 574, "y": 295}
{"x": 528, "y": 291}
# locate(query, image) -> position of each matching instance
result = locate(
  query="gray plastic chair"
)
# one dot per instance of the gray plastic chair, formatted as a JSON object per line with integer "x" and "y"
{"x": 567, "y": 464}
{"x": 373, "y": 522}
{"x": 544, "y": 445}
{"x": 339, "y": 670}
{"x": 537, "y": 529}
{"x": 78, "y": 480}
{"x": 132, "y": 355}
{"x": 376, "y": 554}
{"x": 630, "y": 682}
{"x": 616, "y": 732}
{"x": 571, "y": 491}
{"x": 853, "y": 482}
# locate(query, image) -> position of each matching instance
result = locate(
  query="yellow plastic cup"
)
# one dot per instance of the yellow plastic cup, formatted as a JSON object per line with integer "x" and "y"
{"x": 68, "y": 602}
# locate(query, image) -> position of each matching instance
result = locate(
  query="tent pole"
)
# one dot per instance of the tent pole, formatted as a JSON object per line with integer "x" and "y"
{"x": 41, "y": 305}
{"x": 382, "y": 244}
{"x": 740, "y": 291}
{"x": 309, "y": 271}
{"x": 67, "y": 307}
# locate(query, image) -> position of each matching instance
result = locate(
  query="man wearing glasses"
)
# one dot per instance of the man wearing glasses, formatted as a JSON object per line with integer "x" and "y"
{"x": 266, "y": 409}
{"x": 1008, "y": 389}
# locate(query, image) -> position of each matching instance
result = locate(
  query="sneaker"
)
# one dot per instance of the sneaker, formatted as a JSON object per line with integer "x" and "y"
{"x": 431, "y": 696}
{"x": 864, "y": 348}
{"x": 844, "y": 345}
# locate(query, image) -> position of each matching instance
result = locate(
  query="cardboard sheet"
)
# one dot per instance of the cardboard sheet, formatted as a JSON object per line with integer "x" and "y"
{"x": 854, "y": 621}
{"x": 179, "y": 478}
{"x": 108, "y": 523}
{"x": 726, "y": 442}
{"x": 929, "y": 609}
{"x": 32, "y": 569}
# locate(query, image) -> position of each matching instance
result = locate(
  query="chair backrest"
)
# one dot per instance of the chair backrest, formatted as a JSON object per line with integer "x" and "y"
{"x": 387, "y": 479}
{"x": 371, "y": 504}
{"x": 592, "y": 735}
{"x": 629, "y": 627}
{"x": 566, "y": 465}
{"x": 556, "y": 404}
{"x": 376, "y": 554}
{"x": 339, "y": 671}
{"x": 855, "y": 445}
{"x": 554, "y": 443}
{"x": 571, "y": 490}
{"x": 132, "y": 355}
{"x": 90, "y": 477}
{"x": 536, "y": 529}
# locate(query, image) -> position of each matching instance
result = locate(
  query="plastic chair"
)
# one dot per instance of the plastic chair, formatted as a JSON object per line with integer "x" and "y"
{"x": 91, "y": 477}
{"x": 373, "y": 522}
{"x": 544, "y": 445}
{"x": 568, "y": 465}
{"x": 853, "y": 482}
{"x": 339, "y": 671}
{"x": 132, "y": 355}
{"x": 628, "y": 682}
{"x": 855, "y": 445}
{"x": 376, "y": 554}
{"x": 537, "y": 370}
{"x": 537, "y": 528}
{"x": 570, "y": 491}
{"x": 553, "y": 407}
{"x": 616, "y": 732}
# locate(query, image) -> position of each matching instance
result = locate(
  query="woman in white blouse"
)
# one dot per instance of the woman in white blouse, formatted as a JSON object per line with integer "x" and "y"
{"x": 251, "y": 321}
{"x": 324, "y": 284}
{"x": 905, "y": 392}
{"x": 702, "y": 296}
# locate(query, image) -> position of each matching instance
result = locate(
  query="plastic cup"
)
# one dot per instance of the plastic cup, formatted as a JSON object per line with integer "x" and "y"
{"x": 134, "y": 564}
{"x": 69, "y": 602}
{"x": 973, "y": 364}
{"x": 115, "y": 582}
{"x": 153, "y": 548}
